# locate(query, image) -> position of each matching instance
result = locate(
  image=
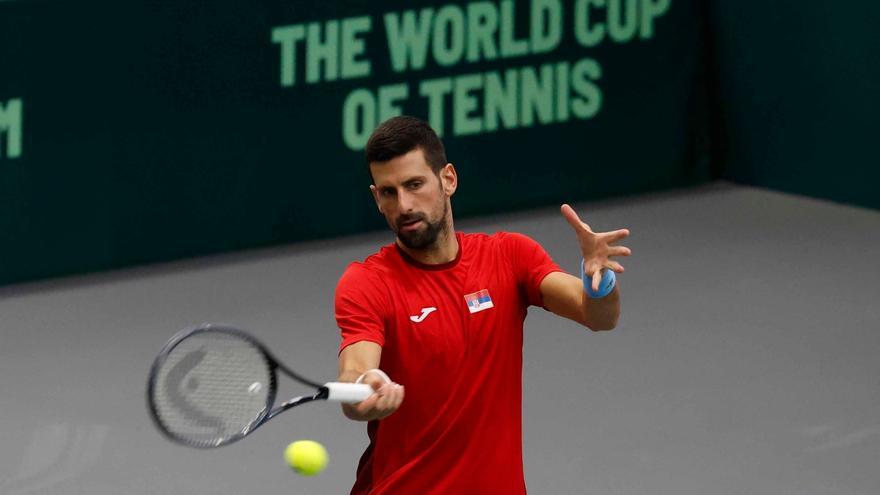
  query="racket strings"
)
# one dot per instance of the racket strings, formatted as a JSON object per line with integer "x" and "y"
{"x": 212, "y": 388}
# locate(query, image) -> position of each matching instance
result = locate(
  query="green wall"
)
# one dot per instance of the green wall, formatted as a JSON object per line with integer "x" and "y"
{"x": 144, "y": 131}
{"x": 798, "y": 90}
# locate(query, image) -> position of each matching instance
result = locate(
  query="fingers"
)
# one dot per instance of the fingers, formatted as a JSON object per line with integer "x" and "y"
{"x": 365, "y": 406}
{"x": 595, "y": 271}
{"x": 374, "y": 380}
{"x": 597, "y": 279}
{"x": 619, "y": 251}
{"x": 390, "y": 398}
{"x": 615, "y": 235}
{"x": 382, "y": 403}
{"x": 573, "y": 219}
{"x": 597, "y": 248}
{"x": 615, "y": 266}
{"x": 610, "y": 238}
{"x": 579, "y": 225}
{"x": 595, "y": 267}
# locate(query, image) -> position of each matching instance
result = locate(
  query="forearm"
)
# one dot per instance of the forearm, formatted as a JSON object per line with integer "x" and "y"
{"x": 564, "y": 295}
{"x": 354, "y": 361}
{"x": 603, "y": 313}
{"x": 350, "y": 410}
{"x": 350, "y": 375}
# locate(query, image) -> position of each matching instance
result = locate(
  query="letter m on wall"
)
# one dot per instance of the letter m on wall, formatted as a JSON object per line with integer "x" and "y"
{"x": 10, "y": 127}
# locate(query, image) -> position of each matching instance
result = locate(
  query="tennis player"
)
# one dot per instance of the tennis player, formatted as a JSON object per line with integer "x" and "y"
{"x": 441, "y": 312}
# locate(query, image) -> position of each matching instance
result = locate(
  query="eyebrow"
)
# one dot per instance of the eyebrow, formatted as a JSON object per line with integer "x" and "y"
{"x": 409, "y": 180}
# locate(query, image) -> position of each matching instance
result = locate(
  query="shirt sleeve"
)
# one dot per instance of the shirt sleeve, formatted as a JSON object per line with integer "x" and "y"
{"x": 360, "y": 306}
{"x": 531, "y": 264}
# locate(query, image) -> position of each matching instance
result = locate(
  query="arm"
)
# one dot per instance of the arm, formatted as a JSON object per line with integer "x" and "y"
{"x": 564, "y": 295}
{"x": 356, "y": 359}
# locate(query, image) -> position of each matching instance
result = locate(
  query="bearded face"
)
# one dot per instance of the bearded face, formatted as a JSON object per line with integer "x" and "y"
{"x": 413, "y": 199}
{"x": 420, "y": 230}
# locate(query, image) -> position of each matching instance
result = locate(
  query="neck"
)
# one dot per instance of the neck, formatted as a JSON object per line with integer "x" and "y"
{"x": 442, "y": 251}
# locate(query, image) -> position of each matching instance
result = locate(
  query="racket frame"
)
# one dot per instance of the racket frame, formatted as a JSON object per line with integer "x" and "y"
{"x": 268, "y": 412}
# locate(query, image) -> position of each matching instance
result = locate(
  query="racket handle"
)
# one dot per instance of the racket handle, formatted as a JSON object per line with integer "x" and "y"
{"x": 348, "y": 392}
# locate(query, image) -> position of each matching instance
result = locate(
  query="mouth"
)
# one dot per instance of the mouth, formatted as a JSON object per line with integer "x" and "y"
{"x": 410, "y": 225}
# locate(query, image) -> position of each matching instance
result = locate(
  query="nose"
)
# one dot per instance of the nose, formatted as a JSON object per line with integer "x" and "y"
{"x": 405, "y": 201}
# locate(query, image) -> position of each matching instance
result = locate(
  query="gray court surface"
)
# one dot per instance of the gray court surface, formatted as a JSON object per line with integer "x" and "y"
{"x": 747, "y": 360}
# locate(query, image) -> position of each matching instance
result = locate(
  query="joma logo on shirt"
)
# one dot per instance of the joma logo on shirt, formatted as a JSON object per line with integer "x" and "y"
{"x": 425, "y": 313}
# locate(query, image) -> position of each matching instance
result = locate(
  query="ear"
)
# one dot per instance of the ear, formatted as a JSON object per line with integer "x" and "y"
{"x": 449, "y": 179}
{"x": 375, "y": 193}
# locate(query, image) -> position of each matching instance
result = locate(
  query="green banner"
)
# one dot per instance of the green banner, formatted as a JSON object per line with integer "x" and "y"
{"x": 805, "y": 117}
{"x": 134, "y": 132}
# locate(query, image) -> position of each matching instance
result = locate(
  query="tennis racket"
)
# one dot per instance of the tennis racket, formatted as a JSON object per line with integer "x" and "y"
{"x": 212, "y": 385}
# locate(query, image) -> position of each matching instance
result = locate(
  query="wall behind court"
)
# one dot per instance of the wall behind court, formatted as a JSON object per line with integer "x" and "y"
{"x": 798, "y": 93}
{"x": 144, "y": 131}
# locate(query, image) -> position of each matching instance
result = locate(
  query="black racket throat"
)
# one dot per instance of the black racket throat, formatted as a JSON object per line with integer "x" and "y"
{"x": 322, "y": 394}
{"x": 289, "y": 372}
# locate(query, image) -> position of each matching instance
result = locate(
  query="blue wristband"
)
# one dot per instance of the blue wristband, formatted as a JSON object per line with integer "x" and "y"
{"x": 606, "y": 285}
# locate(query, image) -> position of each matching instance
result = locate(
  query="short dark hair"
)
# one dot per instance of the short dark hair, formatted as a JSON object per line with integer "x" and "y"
{"x": 398, "y": 136}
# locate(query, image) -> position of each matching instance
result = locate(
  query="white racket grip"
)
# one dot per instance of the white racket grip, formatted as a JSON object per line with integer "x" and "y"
{"x": 348, "y": 392}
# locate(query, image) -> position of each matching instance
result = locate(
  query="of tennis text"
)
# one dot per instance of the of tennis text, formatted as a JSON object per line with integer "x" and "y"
{"x": 435, "y": 39}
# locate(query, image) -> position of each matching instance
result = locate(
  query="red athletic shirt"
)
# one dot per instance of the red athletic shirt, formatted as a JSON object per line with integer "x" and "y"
{"x": 459, "y": 428}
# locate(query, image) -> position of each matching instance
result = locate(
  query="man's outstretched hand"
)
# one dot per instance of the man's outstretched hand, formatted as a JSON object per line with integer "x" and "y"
{"x": 597, "y": 248}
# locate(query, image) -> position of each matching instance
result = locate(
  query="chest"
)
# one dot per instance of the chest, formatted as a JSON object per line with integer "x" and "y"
{"x": 450, "y": 316}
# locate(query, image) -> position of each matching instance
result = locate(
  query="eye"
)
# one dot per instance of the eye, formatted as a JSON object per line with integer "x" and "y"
{"x": 414, "y": 184}
{"x": 386, "y": 192}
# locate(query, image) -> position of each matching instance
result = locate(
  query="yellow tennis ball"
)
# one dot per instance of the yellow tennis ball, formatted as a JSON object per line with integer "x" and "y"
{"x": 306, "y": 457}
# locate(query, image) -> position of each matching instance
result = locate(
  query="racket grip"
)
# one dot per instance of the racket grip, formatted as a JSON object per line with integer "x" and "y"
{"x": 348, "y": 392}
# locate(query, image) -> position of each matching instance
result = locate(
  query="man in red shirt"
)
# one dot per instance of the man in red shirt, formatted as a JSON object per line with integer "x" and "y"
{"x": 442, "y": 312}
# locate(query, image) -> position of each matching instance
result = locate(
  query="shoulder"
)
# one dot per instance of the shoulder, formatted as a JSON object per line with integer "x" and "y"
{"x": 361, "y": 286}
{"x": 507, "y": 241}
{"x": 355, "y": 273}
{"x": 510, "y": 246}
{"x": 497, "y": 239}
{"x": 514, "y": 238}
{"x": 369, "y": 272}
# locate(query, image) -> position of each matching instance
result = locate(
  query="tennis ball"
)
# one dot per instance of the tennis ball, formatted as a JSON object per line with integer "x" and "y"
{"x": 306, "y": 457}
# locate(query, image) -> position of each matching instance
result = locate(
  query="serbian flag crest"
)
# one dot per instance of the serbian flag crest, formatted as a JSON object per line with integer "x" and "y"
{"x": 478, "y": 301}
